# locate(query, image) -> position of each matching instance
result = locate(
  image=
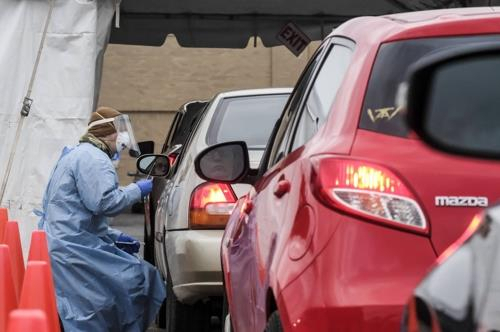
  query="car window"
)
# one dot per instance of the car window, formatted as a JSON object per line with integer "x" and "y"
{"x": 379, "y": 113}
{"x": 173, "y": 127}
{"x": 322, "y": 93}
{"x": 281, "y": 136}
{"x": 193, "y": 111}
{"x": 183, "y": 123}
{"x": 249, "y": 119}
{"x": 187, "y": 143}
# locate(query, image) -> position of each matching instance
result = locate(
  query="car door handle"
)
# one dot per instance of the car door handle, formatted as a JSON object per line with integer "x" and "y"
{"x": 247, "y": 207}
{"x": 282, "y": 187}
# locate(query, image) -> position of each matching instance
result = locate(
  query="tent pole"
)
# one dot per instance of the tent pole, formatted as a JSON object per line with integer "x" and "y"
{"x": 26, "y": 105}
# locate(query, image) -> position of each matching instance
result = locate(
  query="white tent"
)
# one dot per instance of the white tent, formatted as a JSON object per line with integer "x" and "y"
{"x": 67, "y": 81}
{"x": 64, "y": 91}
{"x": 230, "y": 23}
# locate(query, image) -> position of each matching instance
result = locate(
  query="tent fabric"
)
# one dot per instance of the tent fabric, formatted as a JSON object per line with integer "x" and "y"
{"x": 230, "y": 24}
{"x": 64, "y": 91}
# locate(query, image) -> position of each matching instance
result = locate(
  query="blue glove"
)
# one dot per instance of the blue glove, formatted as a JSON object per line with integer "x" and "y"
{"x": 146, "y": 186}
{"x": 128, "y": 244}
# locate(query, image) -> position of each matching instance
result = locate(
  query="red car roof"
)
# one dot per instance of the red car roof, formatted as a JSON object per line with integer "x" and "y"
{"x": 432, "y": 23}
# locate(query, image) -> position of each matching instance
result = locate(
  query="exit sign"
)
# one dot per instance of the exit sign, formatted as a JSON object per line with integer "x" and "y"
{"x": 293, "y": 38}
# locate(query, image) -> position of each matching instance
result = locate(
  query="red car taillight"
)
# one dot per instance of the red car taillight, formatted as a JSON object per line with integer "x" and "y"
{"x": 211, "y": 205}
{"x": 367, "y": 190}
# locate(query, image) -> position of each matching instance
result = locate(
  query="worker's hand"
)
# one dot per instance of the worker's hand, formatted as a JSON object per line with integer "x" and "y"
{"x": 146, "y": 186}
{"x": 128, "y": 244}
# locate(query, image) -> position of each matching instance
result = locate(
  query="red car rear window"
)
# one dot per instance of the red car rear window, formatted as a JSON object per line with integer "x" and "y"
{"x": 393, "y": 59}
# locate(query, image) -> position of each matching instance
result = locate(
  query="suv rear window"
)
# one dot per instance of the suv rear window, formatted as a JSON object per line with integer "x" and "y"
{"x": 393, "y": 59}
{"x": 250, "y": 119}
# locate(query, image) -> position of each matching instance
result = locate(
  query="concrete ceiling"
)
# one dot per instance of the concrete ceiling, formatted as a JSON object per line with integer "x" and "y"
{"x": 231, "y": 23}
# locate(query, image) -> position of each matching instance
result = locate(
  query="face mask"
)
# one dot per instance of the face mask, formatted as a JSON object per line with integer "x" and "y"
{"x": 122, "y": 142}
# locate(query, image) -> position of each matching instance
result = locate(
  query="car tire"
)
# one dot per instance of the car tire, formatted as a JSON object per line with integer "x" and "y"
{"x": 180, "y": 317}
{"x": 161, "y": 319}
{"x": 227, "y": 326}
{"x": 274, "y": 323}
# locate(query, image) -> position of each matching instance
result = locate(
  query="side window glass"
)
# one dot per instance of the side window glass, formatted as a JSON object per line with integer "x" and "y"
{"x": 284, "y": 131}
{"x": 187, "y": 144}
{"x": 187, "y": 123}
{"x": 322, "y": 94}
{"x": 171, "y": 131}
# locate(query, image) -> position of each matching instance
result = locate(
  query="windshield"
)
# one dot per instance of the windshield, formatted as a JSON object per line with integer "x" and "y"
{"x": 250, "y": 119}
{"x": 393, "y": 59}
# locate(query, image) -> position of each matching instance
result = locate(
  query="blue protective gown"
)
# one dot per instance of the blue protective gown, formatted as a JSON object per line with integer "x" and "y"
{"x": 99, "y": 287}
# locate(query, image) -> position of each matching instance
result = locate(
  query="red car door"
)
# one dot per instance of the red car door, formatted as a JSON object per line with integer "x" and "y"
{"x": 262, "y": 226}
{"x": 254, "y": 234}
{"x": 265, "y": 220}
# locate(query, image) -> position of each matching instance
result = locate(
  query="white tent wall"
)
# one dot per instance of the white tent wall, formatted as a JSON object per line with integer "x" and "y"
{"x": 64, "y": 91}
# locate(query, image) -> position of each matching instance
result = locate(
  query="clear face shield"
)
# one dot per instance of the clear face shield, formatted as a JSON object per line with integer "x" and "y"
{"x": 125, "y": 138}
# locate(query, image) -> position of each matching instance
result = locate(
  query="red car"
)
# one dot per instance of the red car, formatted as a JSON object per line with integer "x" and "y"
{"x": 349, "y": 209}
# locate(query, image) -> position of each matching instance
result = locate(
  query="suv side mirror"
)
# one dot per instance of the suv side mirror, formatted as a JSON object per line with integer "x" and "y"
{"x": 225, "y": 162}
{"x": 146, "y": 147}
{"x": 153, "y": 164}
{"x": 453, "y": 100}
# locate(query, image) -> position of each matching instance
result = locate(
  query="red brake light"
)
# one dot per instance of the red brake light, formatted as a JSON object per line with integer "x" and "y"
{"x": 368, "y": 190}
{"x": 211, "y": 205}
{"x": 172, "y": 158}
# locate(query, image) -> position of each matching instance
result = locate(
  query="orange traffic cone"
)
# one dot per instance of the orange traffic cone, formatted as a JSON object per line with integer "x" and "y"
{"x": 12, "y": 239}
{"x": 38, "y": 248}
{"x": 8, "y": 298}
{"x": 4, "y": 216}
{"x": 38, "y": 292}
{"x": 33, "y": 320}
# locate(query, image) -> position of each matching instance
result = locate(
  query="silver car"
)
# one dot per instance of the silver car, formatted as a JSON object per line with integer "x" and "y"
{"x": 191, "y": 214}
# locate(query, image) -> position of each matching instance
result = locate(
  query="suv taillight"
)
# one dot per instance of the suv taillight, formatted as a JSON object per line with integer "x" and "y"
{"x": 172, "y": 158}
{"x": 211, "y": 205}
{"x": 367, "y": 190}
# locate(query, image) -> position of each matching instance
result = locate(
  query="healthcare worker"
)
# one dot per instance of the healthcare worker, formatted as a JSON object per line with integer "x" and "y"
{"x": 99, "y": 286}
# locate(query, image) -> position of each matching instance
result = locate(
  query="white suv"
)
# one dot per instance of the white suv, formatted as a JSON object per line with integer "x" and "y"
{"x": 191, "y": 214}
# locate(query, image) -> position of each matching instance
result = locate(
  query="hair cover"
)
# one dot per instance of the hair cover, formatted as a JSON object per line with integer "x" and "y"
{"x": 104, "y": 129}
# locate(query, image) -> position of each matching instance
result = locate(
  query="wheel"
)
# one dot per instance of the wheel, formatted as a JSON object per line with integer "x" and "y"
{"x": 161, "y": 319}
{"x": 181, "y": 317}
{"x": 274, "y": 323}
{"x": 227, "y": 326}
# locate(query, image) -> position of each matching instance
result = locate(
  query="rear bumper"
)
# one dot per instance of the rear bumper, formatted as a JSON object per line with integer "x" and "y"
{"x": 194, "y": 263}
{"x": 359, "y": 282}
{"x": 190, "y": 293}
